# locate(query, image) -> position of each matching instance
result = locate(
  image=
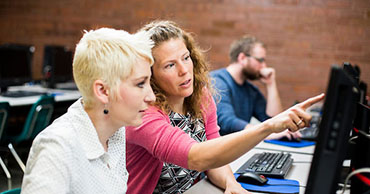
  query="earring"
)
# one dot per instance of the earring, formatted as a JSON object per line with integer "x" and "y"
{"x": 105, "y": 111}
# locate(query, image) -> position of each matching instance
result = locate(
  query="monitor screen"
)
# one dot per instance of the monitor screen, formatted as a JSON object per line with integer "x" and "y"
{"x": 57, "y": 65}
{"x": 15, "y": 65}
{"x": 339, "y": 109}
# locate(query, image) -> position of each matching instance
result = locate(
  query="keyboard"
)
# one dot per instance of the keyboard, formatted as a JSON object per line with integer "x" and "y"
{"x": 311, "y": 132}
{"x": 269, "y": 164}
{"x": 21, "y": 93}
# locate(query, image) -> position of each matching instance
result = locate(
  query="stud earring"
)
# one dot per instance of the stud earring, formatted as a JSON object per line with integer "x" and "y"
{"x": 105, "y": 111}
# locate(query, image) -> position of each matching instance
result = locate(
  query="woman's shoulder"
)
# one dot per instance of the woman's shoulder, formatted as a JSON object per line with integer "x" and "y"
{"x": 154, "y": 110}
{"x": 207, "y": 97}
{"x": 152, "y": 114}
{"x": 60, "y": 130}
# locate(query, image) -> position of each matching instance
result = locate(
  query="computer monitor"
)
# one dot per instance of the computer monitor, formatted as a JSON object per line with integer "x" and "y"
{"x": 339, "y": 111}
{"x": 355, "y": 71}
{"x": 57, "y": 65}
{"x": 15, "y": 65}
{"x": 352, "y": 70}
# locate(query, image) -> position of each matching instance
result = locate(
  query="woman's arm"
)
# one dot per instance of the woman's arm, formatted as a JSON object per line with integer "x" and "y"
{"x": 220, "y": 151}
{"x": 224, "y": 178}
{"x": 223, "y": 150}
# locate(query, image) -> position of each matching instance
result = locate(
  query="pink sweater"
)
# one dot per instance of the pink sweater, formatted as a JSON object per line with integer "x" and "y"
{"x": 157, "y": 141}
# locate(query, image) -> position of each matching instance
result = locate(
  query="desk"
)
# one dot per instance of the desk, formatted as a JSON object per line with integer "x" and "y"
{"x": 273, "y": 147}
{"x": 299, "y": 171}
{"x": 60, "y": 95}
{"x": 19, "y": 106}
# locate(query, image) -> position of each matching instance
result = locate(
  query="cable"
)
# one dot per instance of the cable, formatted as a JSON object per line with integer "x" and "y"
{"x": 351, "y": 140}
{"x": 363, "y": 178}
{"x": 361, "y": 170}
{"x": 341, "y": 185}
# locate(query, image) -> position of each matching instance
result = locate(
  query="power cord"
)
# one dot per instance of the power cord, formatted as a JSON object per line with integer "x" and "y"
{"x": 351, "y": 140}
{"x": 361, "y": 170}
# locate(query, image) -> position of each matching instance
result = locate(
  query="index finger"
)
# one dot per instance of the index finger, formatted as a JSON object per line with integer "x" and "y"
{"x": 309, "y": 102}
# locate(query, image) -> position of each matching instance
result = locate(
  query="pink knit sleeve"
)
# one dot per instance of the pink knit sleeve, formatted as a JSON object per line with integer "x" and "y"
{"x": 210, "y": 118}
{"x": 165, "y": 142}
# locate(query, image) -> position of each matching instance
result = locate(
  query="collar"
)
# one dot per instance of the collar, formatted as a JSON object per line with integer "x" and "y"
{"x": 86, "y": 131}
{"x": 88, "y": 136}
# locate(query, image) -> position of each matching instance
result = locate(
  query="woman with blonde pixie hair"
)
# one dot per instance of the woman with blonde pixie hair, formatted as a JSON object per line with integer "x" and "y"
{"x": 83, "y": 151}
{"x": 179, "y": 136}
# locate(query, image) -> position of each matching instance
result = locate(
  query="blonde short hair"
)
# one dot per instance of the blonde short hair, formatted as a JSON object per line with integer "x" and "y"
{"x": 109, "y": 55}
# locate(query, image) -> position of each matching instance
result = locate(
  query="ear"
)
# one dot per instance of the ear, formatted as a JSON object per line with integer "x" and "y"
{"x": 241, "y": 58}
{"x": 101, "y": 91}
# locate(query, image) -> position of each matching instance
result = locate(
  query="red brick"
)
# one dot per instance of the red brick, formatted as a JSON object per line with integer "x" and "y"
{"x": 304, "y": 37}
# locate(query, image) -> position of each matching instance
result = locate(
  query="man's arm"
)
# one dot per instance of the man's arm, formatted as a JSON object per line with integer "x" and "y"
{"x": 273, "y": 106}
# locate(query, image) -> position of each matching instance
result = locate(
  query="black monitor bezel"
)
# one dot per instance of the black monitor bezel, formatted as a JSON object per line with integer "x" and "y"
{"x": 17, "y": 81}
{"x": 338, "y": 114}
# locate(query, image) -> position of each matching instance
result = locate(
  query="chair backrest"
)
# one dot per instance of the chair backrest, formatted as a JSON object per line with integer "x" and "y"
{"x": 12, "y": 191}
{"x": 37, "y": 119}
{"x": 4, "y": 113}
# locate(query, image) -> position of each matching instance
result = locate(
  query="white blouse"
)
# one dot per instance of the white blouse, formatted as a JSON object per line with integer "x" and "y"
{"x": 67, "y": 157}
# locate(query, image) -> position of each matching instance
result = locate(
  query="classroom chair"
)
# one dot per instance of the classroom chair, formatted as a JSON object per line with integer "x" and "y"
{"x": 37, "y": 119}
{"x": 12, "y": 191}
{"x": 4, "y": 113}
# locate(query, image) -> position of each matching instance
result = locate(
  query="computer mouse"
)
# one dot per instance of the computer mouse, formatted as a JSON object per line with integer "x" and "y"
{"x": 252, "y": 178}
{"x": 290, "y": 140}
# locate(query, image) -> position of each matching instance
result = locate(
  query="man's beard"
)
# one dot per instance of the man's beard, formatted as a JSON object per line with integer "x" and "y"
{"x": 250, "y": 74}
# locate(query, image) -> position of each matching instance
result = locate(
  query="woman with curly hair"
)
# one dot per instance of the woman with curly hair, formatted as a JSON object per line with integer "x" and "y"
{"x": 179, "y": 136}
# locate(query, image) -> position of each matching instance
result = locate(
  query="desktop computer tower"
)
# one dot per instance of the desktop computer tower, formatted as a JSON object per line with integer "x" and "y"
{"x": 360, "y": 154}
{"x": 57, "y": 65}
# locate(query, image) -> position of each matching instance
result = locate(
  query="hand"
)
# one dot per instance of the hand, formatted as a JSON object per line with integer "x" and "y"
{"x": 294, "y": 118}
{"x": 267, "y": 75}
{"x": 286, "y": 133}
{"x": 235, "y": 188}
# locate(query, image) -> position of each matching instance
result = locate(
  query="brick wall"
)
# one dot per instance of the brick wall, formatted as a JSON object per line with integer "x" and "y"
{"x": 304, "y": 37}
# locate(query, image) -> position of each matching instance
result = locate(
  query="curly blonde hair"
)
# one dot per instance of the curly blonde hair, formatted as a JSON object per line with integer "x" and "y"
{"x": 162, "y": 31}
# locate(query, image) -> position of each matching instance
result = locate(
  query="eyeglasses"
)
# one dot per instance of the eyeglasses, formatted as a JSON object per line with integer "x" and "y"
{"x": 261, "y": 60}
